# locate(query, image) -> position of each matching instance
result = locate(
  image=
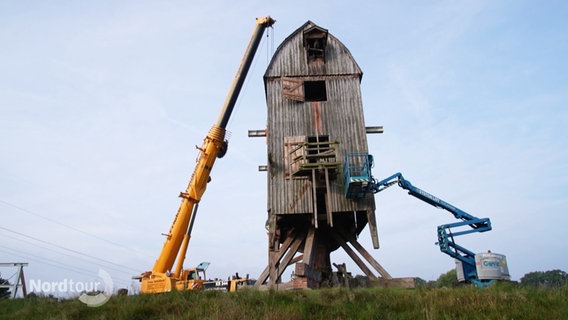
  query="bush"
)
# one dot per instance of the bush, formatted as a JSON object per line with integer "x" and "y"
{"x": 547, "y": 279}
{"x": 4, "y": 292}
{"x": 448, "y": 280}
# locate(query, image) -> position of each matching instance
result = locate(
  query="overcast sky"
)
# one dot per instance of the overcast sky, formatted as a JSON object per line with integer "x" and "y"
{"x": 103, "y": 102}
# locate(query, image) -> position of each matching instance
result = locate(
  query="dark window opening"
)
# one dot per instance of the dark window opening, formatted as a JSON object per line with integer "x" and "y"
{"x": 315, "y": 49}
{"x": 315, "y": 91}
{"x": 315, "y": 42}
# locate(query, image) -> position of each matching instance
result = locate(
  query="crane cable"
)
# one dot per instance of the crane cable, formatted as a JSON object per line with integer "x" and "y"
{"x": 269, "y": 53}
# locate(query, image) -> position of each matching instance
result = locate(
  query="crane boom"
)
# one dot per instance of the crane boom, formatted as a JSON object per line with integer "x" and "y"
{"x": 214, "y": 146}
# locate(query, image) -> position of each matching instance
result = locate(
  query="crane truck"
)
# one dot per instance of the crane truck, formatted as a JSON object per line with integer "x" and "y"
{"x": 162, "y": 278}
{"x": 481, "y": 269}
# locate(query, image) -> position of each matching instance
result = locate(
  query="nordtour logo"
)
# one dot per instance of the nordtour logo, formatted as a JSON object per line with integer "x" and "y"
{"x": 93, "y": 294}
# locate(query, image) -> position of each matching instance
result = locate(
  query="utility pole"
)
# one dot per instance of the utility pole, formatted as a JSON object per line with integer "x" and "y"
{"x": 20, "y": 281}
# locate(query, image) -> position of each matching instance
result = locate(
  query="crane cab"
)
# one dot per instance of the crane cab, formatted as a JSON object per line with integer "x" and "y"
{"x": 192, "y": 278}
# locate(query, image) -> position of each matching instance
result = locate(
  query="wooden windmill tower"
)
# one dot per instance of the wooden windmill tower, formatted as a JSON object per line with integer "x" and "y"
{"x": 315, "y": 125}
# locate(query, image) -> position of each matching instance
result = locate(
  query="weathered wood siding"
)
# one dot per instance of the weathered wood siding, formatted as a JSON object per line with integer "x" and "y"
{"x": 290, "y": 59}
{"x": 340, "y": 117}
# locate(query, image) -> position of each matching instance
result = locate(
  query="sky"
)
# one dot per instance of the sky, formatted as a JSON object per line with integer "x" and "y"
{"x": 103, "y": 102}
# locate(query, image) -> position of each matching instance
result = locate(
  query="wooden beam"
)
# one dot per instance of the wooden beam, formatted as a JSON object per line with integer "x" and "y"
{"x": 372, "y": 221}
{"x": 257, "y": 133}
{"x": 262, "y": 278}
{"x": 276, "y": 255}
{"x": 289, "y": 255}
{"x": 374, "y": 129}
{"x": 353, "y": 256}
{"x": 369, "y": 258}
{"x": 315, "y": 199}
{"x": 308, "y": 246}
{"x": 296, "y": 259}
{"x": 328, "y": 199}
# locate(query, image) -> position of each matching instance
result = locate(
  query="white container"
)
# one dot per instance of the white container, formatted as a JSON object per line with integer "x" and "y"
{"x": 459, "y": 271}
{"x": 491, "y": 266}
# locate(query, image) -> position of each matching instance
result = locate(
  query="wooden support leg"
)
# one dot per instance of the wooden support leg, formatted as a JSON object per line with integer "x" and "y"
{"x": 289, "y": 255}
{"x": 374, "y": 263}
{"x": 262, "y": 278}
{"x": 354, "y": 256}
{"x": 371, "y": 218}
{"x": 281, "y": 258}
{"x": 308, "y": 246}
{"x": 275, "y": 256}
{"x": 328, "y": 200}
{"x": 315, "y": 196}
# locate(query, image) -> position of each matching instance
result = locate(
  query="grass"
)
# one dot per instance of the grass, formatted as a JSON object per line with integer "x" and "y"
{"x": 502, "y": 301}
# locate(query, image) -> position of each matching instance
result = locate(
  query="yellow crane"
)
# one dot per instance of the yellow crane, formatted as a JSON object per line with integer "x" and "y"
{"x": 161, "y": 278}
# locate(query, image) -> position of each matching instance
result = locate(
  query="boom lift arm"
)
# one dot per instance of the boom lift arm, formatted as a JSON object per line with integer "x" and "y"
{"x": 160, "y": 279}
{"x": 445, "y": 235}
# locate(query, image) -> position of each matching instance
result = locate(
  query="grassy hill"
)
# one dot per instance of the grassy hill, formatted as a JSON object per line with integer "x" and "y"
{"x": 502, "y": 301}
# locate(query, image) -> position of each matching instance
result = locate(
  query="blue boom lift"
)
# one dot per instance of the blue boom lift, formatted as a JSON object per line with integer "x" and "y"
{"x": 359, "y": 182}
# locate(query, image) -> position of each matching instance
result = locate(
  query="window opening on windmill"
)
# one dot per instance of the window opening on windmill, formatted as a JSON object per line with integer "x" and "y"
{"x": 315, "y": 91}
{"x": 304, "y": 90}
{"x": 315, "y": 42}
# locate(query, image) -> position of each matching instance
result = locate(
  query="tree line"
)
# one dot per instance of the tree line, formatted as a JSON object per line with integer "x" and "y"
{"x": 538, "y": 279}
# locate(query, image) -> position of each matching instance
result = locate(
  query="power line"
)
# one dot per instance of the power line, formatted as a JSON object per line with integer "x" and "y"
{"x": 65, "y": 254}
{"x": 70, "y": 250}
{"x": 53, "y": 263}
{"x": 70, "y": 227}
{"x": 57, "y": 264}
